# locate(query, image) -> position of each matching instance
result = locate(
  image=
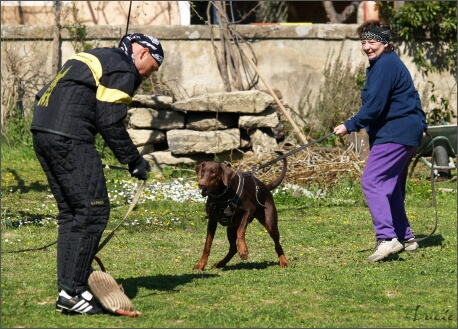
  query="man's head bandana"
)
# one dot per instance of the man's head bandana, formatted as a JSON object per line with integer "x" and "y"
{"x": 146, "y": 41}
{"x": 379, "y": 34}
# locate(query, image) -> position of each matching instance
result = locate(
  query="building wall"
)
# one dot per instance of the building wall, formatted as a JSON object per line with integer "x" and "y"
{"x": 150, "y": 13}
{"x": 89, "y": 13}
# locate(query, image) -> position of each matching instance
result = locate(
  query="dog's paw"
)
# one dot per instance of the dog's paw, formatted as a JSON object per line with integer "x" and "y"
{"x": 199, "y": 267}
{"x": 243, "y": 251}
{"x": 283, "y": 262}
{"x": 244, "y": 255}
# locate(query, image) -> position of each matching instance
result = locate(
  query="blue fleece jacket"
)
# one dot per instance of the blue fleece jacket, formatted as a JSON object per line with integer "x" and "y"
{"x": 391, "y": 109}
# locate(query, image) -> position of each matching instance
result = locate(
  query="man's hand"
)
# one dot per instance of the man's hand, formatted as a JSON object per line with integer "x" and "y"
{"x": 140, "y": 168}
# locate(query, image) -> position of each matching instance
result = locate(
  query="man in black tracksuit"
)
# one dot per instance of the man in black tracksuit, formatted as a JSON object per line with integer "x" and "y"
{"x": 88, "y": 96}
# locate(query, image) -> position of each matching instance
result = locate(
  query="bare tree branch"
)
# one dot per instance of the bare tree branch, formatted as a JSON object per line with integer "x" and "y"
{"x": 334, "y": 17}
{"x": 227, "y": 59}
{"x": 222, "y": 68}
{"x": 330, "y": 11}
{"x": 56, "y": 39}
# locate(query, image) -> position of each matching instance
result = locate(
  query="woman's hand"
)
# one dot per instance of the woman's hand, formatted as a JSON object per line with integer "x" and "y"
{"x": 340, "y": 130}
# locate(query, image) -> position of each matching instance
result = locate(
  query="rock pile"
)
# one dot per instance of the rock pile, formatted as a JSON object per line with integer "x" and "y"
{"x": 204, "y": 127}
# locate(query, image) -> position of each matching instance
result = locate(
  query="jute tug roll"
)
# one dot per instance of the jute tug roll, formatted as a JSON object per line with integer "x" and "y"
{"x": 110, "y": 294}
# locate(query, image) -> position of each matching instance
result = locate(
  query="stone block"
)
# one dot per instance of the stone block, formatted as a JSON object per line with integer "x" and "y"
{"x": 184, "y": 141}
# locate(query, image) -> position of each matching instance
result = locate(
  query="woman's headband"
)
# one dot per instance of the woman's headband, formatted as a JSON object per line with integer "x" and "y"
{"x": 380, "y": 34}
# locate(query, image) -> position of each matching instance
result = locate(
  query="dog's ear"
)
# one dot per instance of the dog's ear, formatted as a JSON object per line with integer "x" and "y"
{"x": 226, "y": 173}
{"x": 199, "y": 168}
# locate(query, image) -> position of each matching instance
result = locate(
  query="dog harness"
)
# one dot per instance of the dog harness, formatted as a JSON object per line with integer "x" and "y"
{"x": 224, "y": 208}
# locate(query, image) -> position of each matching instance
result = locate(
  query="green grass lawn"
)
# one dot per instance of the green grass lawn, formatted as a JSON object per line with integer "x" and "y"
{"x": 328, "y": 284}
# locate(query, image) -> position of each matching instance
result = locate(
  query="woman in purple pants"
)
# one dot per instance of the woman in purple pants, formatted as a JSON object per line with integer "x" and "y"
{"x": 393, "y": 117}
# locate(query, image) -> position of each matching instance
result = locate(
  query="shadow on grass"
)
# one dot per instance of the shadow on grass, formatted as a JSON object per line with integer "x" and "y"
{"x": 305, "y": 210}
{"x": 22, "y": 187}
{"x": 432, "y": 241}
{"x": 391, "y": 258}
{"x": 20, "y": 218}
{"x": 160, "y": 282}
{"x": 169, "y": 283}
{"x": 249, "y": 266}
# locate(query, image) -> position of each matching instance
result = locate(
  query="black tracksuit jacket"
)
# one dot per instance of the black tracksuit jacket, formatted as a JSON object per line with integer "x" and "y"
{"x": 88, "y": 96}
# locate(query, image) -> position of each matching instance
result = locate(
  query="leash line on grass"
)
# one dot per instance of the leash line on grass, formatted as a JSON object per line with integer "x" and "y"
{"x": 433, "y": 192}
{"x": 29, "y": 249}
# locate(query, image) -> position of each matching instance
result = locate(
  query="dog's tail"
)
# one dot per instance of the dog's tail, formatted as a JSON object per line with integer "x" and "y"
{"x": 277, "y": 182}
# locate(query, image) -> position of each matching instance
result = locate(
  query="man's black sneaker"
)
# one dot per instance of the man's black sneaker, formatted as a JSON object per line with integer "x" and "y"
{"x": 83, "y": 303}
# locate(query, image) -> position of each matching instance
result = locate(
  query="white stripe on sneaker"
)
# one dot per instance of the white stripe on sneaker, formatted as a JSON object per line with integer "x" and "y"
{"x": 83, "y": 303}
{"x": 82, "y": 307}
{"x": 86, "y": 295}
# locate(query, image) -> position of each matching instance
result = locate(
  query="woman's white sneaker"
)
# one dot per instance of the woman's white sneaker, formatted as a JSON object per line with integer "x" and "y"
{"x": 384, "y": 248}
{"x": 410, "y": 245}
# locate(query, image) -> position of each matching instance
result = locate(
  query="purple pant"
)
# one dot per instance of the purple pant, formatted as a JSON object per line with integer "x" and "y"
{"x": 384, "y": 186}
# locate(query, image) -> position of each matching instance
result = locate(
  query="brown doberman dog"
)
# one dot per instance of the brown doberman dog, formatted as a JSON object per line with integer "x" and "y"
{"x": 234, "y": 199}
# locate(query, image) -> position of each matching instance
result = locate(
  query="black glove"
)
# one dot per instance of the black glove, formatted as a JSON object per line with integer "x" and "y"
{"x": 139, "y": 168}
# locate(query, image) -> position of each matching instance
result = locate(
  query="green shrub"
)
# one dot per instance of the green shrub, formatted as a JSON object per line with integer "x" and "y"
{"x": 17, "y": 131}
{"x": 339, "y": 97}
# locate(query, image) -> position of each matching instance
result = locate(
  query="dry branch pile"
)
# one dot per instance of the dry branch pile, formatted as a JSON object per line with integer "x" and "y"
{"x": 312, "y": 165}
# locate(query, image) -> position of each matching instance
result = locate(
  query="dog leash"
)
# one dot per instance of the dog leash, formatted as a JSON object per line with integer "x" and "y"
{"x": 291, "y": 152}
{"x": 132, "y": 205}
{"x": 110, "y": 236}
{"x": 107, "y": 166}
{"x": 327, "y": 136}
{"x": 29, "y": 249}
{"x": 433, "y": 192}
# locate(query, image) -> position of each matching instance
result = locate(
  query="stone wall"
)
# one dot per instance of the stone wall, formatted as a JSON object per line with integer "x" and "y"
{"x": 205, "y": 127}
{"x": 290, "y": 57}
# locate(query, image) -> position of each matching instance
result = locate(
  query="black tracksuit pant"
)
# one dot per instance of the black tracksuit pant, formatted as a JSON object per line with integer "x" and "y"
{"x": 75, "y": 175}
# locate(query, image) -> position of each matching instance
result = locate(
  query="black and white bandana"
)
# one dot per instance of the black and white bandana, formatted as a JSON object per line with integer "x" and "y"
{"x": 379, "y": 34}
{"x": 153, "y": 45}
